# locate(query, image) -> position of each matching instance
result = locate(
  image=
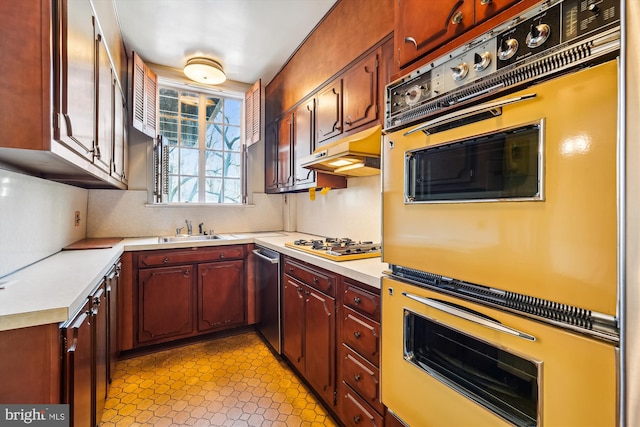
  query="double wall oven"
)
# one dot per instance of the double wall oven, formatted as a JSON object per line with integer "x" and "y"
{"x": 501, "y": 225}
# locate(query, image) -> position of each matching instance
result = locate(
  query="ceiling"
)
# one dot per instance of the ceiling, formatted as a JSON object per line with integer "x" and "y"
{"x": 252, "y": 39}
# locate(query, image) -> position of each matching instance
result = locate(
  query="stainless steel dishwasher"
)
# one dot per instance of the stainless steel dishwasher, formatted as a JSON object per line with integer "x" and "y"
{"x": 267, "y": 272}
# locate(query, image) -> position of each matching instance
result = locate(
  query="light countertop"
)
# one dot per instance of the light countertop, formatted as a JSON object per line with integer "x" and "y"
{"x": 55, "y": 288}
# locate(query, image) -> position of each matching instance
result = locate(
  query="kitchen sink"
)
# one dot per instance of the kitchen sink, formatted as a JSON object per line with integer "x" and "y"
{"x": 188, "y": 238}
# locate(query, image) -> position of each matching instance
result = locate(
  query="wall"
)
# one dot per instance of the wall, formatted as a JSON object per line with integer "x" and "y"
{"x": 37, "y": 219}
{"x": 352, "y": 212}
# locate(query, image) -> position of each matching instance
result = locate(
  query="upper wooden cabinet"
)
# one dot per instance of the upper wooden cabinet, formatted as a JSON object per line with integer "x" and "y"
{"x": 144, "y": 97}
{"x": 348, "y": 102}
{"x": 56, "y": 100}
{"x": 303, "y": 145}
{"x": 422, "y": 27}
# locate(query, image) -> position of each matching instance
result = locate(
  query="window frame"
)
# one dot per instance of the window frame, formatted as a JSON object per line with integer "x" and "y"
{"x": 203, "y": 93}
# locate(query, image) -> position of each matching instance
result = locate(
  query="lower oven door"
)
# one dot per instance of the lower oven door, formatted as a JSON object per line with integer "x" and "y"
{"x": 449, "y": 362}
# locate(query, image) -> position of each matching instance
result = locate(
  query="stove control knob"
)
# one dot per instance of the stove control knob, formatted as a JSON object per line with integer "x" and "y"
{"x": 593, "y": 8}
{"x": 538, "y": 35}
{"x": 481, "y": 61}
{"x": 508, "y": 48}
{"x": 460, "y": 71}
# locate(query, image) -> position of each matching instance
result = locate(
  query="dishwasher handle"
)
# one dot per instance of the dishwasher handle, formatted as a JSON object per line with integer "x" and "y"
{"x": 266, "y": 258}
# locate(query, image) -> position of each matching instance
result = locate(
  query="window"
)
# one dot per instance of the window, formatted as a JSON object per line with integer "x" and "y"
{"x": 202, "y": 133}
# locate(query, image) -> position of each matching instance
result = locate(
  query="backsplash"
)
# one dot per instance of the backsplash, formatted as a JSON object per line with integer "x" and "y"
{"x": 126, "y": 214}
{"x": 352, "y": 212}
{"x": 37, "y": 219}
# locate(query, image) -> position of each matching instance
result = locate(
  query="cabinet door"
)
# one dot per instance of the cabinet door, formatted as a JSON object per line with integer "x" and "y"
{"x": 293, "y": 322}
{"x": 150, "y": 102}
{"x": 99, "y": 319}
{"x": 103, "y": 154}
{"x": 145, "y": 97}
{"x": 421, "y": 28}
{"x": 485, "y": 9}
{"x": 271, "y": 158}
{"x": 76, "y": 93}
{"x": 319, "y": 342}
{"x": 165, "y": 302}
{"x": 329, "y": 112}
{"x": 221, "y": 293}
{"x": 77, "y": 383}
{"x": 113, "y": 280}
{"x": 360, "y": 93}
{"x": 304, "y": 143}
{"x": 285, "y": 165}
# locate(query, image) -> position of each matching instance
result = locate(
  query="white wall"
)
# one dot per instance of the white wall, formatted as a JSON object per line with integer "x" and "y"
{"x": 37, "y": 219}
{"x": 353, "y": 212}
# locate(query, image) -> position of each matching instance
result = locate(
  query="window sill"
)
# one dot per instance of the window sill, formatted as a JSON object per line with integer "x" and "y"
{"x": 198, "y": 205}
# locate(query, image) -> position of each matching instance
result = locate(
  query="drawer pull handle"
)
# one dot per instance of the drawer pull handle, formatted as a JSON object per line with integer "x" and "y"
{"x": 290, "y": 269}
{"x": 166, "y": 260}
{"x": 356, "y": 419}
{"x": 300, "y": 290}
{"x": 221, "y": 255}
{"x": 356, "y": 377}
{"x": 356, "y": 300}
{"x": 356, "y": 334}
{"x": 315, "y": 280}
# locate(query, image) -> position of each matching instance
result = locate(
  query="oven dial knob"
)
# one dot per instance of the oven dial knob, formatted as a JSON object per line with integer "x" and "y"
{"x": 538, "y": 35}
{"x": 593, "y": 8}
{"x": 481, "y": 61}
{"x": 507, "y": 49}
{"x": 460, "y": 71}
{"x": 414, "y": 94}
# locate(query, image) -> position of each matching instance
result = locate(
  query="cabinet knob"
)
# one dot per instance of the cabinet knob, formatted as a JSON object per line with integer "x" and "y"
{"x": 300, "y": 290}
{"x": 457, "y": 18}
{"x": 356, "y": 300}
{"x": 221, "y": 255}
{"x": 356, "y": 377}
{"x": 315, "y": 280}
{"x": 166, "y": 260}
{"x": 357, "y": 334}
{"x": 356, "y": 419}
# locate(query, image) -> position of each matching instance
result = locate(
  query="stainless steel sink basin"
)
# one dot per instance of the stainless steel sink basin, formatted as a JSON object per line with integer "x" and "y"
{"x": 187, "y": 238}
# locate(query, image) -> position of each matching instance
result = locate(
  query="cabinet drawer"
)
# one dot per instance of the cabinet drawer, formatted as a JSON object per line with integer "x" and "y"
{"x": 190, "y": 255}
{"x": 362, "y": 301}
{"x": 355, "y": 411}
{"x": 362, "y": 335}
{"x": 362, "y": 376}
{"x": 316, "y": 278}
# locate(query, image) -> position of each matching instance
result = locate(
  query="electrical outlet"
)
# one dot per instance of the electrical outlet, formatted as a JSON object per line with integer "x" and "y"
{"x": 77, "y": 218}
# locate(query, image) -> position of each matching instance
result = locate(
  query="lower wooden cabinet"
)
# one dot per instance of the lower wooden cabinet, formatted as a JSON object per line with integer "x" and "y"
{"x": 309, "y": 325}
{"x": 186, "y": 292}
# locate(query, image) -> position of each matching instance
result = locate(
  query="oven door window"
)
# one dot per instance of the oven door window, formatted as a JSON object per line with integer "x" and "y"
{"x": 501, "y": 165}
{"x": 503, "y": 382}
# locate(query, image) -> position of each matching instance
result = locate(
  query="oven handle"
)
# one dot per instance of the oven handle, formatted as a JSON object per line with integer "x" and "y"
{"x": 490, "y": 107}
{"x": 492, "y": 324}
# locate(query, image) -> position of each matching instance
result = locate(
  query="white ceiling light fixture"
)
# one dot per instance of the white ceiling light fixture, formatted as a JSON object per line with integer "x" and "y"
{"x": 204, "y": 70}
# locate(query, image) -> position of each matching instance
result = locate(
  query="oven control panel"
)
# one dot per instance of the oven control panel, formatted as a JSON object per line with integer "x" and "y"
{"x": 550, "y": 38}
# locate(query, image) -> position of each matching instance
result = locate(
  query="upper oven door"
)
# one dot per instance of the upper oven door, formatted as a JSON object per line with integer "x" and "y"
{"x": 523, "y": 199}
{"x": 448, "y": 362}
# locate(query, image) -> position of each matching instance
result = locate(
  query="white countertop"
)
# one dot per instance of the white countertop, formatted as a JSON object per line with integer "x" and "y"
{"x": 55, "y": 288}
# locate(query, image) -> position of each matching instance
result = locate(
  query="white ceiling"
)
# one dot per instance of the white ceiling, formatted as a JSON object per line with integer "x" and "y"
{"x": 252, "y": 39}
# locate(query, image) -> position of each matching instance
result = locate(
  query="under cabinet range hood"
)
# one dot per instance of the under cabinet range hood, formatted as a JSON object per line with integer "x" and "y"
{"x": 355, "y": 155}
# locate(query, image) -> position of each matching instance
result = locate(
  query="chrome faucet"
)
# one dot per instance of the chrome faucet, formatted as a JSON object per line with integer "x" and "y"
{"x": 200, "y": 228}
{"x": 189, "y": 229}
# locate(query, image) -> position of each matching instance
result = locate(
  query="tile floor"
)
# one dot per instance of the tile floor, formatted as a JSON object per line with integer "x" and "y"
{"x": 233, "y": 381}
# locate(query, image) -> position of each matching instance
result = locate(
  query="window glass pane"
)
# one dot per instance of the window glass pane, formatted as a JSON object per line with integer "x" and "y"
{"x": 213, "y": 107}
{"x": 169, "y": 129}
{"x": 232, "y": 111}
{"x": 173, "y": 188}
{"x": 189, "y": 162}
{"x": 174, "y": 160}
{"x": 189, "y": 189}
{"x": 232, "y": 165}
{"x": 189, "y": 105}
{"x": 213, "y": 162}
{"x": 232, "y": 191}
{"x": 213, "y": 191}
{"x": 168, "y": 102}
{"x": 189, "y": 133}
{"x": 213, "y": 139}
{"x": 232, "y": 138}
